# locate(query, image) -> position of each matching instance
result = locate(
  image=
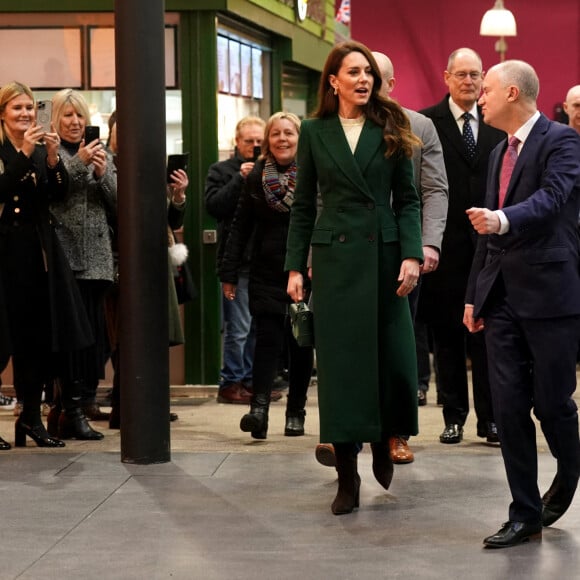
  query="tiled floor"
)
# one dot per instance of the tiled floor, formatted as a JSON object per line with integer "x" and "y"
{"x": 230, "y": 508}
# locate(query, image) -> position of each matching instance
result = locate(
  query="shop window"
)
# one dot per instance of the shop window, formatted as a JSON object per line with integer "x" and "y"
{"x": 240, "y": 68}
{"x": 243, "y": 80}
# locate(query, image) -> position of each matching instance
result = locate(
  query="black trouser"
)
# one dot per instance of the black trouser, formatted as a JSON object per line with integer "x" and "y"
{"x": 422, "y": 349}
{"x": 532, "y": 366}
{"x": 31, "y": 370}
{"x": 87, "y": 365}
{"x": 450, "y": 342}
{"x": 273, "y": 332}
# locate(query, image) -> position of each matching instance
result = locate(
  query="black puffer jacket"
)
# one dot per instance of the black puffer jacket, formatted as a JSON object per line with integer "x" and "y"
{"x": 268, "y": 280}
{"x": 223, "y": 186}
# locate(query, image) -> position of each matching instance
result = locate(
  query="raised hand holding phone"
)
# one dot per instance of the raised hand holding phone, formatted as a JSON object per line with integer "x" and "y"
{"x": 176, "y": 161}
{"x": 92, "y": 133}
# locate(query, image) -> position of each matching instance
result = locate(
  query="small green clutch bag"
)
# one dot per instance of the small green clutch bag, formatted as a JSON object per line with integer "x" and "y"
{"x": 302, "y": 321}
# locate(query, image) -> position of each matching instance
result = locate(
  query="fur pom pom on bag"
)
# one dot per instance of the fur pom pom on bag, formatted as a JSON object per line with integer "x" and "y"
{"x": 178, "y": 254}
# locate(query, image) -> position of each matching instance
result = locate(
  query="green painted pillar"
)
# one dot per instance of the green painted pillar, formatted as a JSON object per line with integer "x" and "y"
{"x": 200, "y": 122}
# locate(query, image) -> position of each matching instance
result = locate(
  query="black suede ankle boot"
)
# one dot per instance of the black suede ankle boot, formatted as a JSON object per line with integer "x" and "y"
{"x": 383, "y": 468}
{"x": 347, "y": 497}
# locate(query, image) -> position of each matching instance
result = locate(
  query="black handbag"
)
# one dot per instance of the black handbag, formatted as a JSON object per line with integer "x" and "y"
{"x": 302, "y": 322}
{"x": 184, "y": 284}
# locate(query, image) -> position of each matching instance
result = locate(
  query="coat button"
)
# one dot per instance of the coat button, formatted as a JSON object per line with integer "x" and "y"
{"x": 341, "y": 238}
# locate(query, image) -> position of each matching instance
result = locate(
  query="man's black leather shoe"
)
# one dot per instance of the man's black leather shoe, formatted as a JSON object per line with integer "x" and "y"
{"x": 556, "y": 501}
{"x": 512, "y": 534}
{"x": 488, "y": 432}
{"x": 421, "y": 397}
{"x": 452, "y": 433}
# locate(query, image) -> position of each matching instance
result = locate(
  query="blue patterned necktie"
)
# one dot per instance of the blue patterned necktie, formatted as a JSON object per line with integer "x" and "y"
{"x": 468, "y": 135}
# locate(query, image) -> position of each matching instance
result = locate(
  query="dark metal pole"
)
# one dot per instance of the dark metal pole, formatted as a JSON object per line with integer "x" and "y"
{"x": 144, "y": 344}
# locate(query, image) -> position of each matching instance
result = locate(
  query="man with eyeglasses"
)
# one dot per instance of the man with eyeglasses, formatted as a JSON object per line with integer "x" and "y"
{"x": 467, "y": 143}
{"x": 223, "y": 186}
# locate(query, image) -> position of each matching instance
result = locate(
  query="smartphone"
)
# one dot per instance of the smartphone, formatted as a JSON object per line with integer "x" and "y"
{"x": 44, "y": 115}
{"x": 257, "y": 151}
{"x": 92, "y": 132}
{"x": 176, "y": 161}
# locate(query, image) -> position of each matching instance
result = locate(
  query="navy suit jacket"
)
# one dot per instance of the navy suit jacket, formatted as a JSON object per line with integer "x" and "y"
{"x": 539, "y": 258}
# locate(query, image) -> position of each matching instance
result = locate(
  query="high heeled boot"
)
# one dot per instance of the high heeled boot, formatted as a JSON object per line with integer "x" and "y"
{"x": 29, "y": 424}
{"x": 256, "y": 421}
{"x": 382, "y": 463}
{"x": 73, "y": 424}
{"x": 347, "y": 497}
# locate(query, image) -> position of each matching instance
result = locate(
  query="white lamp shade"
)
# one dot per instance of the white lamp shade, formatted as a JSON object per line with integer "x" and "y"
{"x": 498, "y": 22}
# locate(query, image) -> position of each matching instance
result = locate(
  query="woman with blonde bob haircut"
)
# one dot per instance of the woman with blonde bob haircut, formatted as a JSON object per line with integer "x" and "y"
{"x": 84, "y": 220}
{"x": 264, "y": 212}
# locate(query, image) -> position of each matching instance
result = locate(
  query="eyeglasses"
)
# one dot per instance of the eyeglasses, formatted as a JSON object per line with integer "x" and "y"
{"x": 462, "y": 75}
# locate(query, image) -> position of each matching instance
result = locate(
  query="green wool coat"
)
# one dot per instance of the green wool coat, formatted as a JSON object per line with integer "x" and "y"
{"x": 365, "y": 346}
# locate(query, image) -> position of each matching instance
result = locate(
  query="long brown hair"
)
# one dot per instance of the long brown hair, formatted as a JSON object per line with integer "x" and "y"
{"x": 383, "y": 111}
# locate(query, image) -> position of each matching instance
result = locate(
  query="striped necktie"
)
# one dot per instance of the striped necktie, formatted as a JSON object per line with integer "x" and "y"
{"x": 507, "y": 168}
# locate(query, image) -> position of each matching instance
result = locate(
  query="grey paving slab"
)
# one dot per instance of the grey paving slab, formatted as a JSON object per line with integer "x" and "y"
{"x": 230, "y": 508}
{"x": 237, "y": 516}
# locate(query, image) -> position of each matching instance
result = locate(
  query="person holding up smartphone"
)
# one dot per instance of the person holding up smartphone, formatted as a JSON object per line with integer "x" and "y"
{"x": 223, "y": 185}
{"x": 42, "y": 315}
{"x": 83, "y": 226}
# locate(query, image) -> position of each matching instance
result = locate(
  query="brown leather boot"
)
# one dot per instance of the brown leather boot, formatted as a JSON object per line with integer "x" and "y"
{"x": 93, "y": 412}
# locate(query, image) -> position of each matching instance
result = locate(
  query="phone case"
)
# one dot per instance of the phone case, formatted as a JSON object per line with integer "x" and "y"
{"x": 92, "y": 132}
{"x": 44, "y": 114}
{"x": 176, "y": 161}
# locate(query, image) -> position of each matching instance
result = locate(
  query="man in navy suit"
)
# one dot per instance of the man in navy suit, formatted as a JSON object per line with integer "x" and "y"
{"x": 525, "y": 284}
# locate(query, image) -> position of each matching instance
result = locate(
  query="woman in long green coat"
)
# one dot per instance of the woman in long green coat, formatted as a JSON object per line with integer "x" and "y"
{"x": 366, "y": 253}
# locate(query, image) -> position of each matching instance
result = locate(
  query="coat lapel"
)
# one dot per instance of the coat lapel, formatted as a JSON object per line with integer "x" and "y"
{"x": 334, "y": 140}
{"x": 448, "y": 126}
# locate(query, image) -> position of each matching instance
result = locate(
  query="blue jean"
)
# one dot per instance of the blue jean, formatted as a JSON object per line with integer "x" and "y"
{"x": 239, "y": 340}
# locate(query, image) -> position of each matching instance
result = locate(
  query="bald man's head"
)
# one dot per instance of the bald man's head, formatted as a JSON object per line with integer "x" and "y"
{"x": 387, "y": 73}
{"x": 572, "y": 107}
